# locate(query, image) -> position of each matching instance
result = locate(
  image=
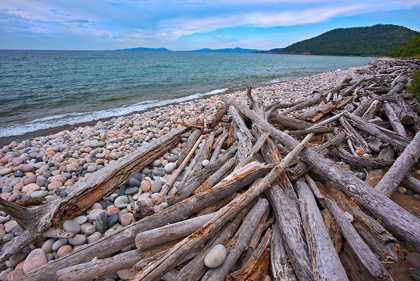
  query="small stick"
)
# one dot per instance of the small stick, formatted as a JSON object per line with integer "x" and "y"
{"x": 189, "y": 125}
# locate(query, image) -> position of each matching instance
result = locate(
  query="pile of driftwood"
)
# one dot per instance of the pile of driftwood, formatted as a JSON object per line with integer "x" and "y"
{"x": 316, "y": 208}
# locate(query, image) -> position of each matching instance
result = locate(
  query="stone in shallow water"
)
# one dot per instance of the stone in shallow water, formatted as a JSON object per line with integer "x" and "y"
{"x": 101, "y": 221}
{"x": 36, "y": 259}
{"x": 215, "y": 257}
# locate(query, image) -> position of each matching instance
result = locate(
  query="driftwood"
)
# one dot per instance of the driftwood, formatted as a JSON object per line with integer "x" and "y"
{"x": 376, "y": 175}
{"x": 325, "y": 259}
{"x": 389, "y": 183}
{"x": 393, "y": 119}
{"x": 280, "y": 263}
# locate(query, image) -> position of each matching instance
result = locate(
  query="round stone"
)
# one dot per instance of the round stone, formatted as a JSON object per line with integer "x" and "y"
{"x": 101, "y": 221}
{"x": 64, "y": 250}
{"x": 92, "y": 215}
{"x": 145, "y": 186}
{"x": 156, "y": 186}
{"x": 94, "y": 237}
{"x": 205, "y": 163}
{"x": 10, "y": 225}
{"x": 47, "y": 246}
{"x": 39, "y": 194}
{"x": 156, "y": 163}
{"x": 55, "y": 185}
{"x": 138, "y": 176}
{"x": 215, "y": 257}
{"x": 16, "y": 259}
{"x": 127, "y": 219}
{"x": 413, "y": 259}
{"x": 172, "y": 158}
{"x": 159, "y": 172}
{"x": 90, "y": 229}
{"x": 402, "y": 190}
{"x": 131, "y": 191}
{"x": 112, "y": 220}
{"x": 79, "y": 239}
{"x": 71, "y": 226}
{"x": 120, "y": 201}
{"x": 149, "y": 201}
{"x": 97, "y": 206}
{"x": 80, "y": 219}
{"x": 60, "y": 192}
{"x": 36, "y": 259}
{"x": 115, "y": 155}
{"x": 58, "y": 244}
{"x": 170, "y": 167}
{"x": 133, "y": 182}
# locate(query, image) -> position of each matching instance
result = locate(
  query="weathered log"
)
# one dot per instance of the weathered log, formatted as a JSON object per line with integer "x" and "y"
{"x": 379, "y": 240}
{"x": 389, "y": 183}
{"x": 203, "y": 154}
{"x": 218, "y": 205}
{"x": 356, "y": 84}
{"x": 217, "y": 176}
{"x": 122, "y": 238}
{"x": 394, "y": 216}
{"x": 240, "y": 240}
{"x": 217, "y": 117}
{"x": 363, "y": 106}
{"x": 200, "y": 177}
{"x": 195, "y": 126}
{"x": 333, "y": 230}
{"x": 358, "y": 140}
{"x": 289, "y": 122}
{"x": 37, "y": 220}
{"x": 372, "y": 110}
{"x": 393, "y": 119}
{"x": 192, "y": 140}
{"x": 98, "y": 267}
{"x": 218, "y": 147}
{"x": 281, "y": 267}
{"x": 357, "y": 161}
{"x": 376, "y": 175}
{"x": 322, "y": 252}
{"x": 168, "y": 185}
{"x": 254, "y": 150}
{"x": 162, "y": 265}
{"x": 188, "y": 174}
{"x": 196, "y": 268}
{"x": 407, "y": 115}
{"x": 362, "y": 251}
{"x": 315, "y": 190}
{"x": 309, "y": 102}
{"x": 393, "y": 138}
{"x": 317, "y": 113}
{"x": 165, "y": 234}
{"x": 317, "y": 130}
{"x": 256, "y": 267}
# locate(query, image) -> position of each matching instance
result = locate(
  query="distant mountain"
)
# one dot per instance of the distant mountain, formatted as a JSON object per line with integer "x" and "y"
{"x": 377, "y": 40}
{"x": 410, "y": 49}
{"x": 141, "y": 49}
{"x": 227, "y": 50}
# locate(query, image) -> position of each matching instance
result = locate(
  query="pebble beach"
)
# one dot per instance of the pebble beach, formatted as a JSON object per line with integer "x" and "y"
{"x": 45, "y": 167}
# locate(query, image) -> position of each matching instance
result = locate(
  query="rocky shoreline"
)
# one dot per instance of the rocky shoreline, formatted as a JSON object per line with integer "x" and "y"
{"x": 44, "y": 167}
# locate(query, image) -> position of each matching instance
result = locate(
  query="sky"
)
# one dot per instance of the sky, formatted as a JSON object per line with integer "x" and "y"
{"x": 188, "y": 24}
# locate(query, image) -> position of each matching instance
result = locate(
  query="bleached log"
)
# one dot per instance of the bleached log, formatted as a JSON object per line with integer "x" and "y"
{"x": 411, "y": 182}
{"x": 357, "y": 161}
{"x": 317, "y": 113}
{"x": 240, "y": 240}
{"x": 376, "y": 175}
{"x": 322, "y": 252}
{"x": 192, "y": 140}
{"x": 358, "y": 140}
{"x": 407, "y": 115}
{"x": 218, "y": 116}
{"x": 372, "y": 110}
{"x": 280, "y": 262}
{"x": 363, "y": 106}
{"x": 309, "y": 102}
{"x": 289, "y": 122}
{"x": 165, "y": 234}
{"x": 362, "y": 251}
{"x": 218, "y": 147}
{"x": 389, "y": 183}
{"x": 393, "y": 119}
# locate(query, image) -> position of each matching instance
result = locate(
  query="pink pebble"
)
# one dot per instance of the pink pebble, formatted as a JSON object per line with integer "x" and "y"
{"x": 113, "y": 211}
{"x": 54, "y": 185}
{"x": 145, "y": 186}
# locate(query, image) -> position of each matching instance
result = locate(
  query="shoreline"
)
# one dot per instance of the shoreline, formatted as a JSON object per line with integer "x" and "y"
{"x": 4, "y": 141}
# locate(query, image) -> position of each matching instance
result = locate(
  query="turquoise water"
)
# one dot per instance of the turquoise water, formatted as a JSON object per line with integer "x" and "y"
{"x": 43, "y": 89}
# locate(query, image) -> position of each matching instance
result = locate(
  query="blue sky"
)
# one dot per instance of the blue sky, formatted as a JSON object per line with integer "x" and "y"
{"x": 188, "y": 24}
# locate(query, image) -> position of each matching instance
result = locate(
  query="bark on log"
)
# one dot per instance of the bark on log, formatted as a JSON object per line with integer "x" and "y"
{"x": 240, "y": 240}
{"x": 281, "y": 266}
{"x": 362, "y": 251}
{"x": 393, "y": 119}
{"x": 371, "y": 111}
{"x": 395, "y": 217}
{"x": 289, "y": 122}
{"x": 218, "y": 147}
{"x": 389, "y": 183}
{"x": 333, "y": 229}
{"x": 256, "y": 267}
{"x": 317, "y": 113}
{"x": 407, "y": 115}
{"x": 192, "y": 139}
{"x": 322, "y": 252}
{"x": 165, "y": 234}
{"x": 357, "y": 161}
{"x": 217, "y": 117}
{"x": 363, "y": 106}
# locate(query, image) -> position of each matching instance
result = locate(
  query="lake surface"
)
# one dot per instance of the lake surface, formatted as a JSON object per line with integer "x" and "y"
{"x": 44, "y": 89}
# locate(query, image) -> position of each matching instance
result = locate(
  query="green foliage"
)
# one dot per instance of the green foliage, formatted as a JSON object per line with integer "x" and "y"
{"x": 415, "y": 84}
{"x": 410, "y": 49}
{"x": 377, "y": 40}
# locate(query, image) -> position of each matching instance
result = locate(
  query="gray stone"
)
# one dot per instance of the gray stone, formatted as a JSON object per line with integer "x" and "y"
{"x": 131, "y": 191}
{"x": 39, "y": 194}
{"x": 156, "y": 186}
{"x": 172, "y": 158}
{"x": 215, "y": 257}
{"x": 159, "y": 172}
{"x": 138, "y": 176}
{"x": 156, "y": 163}
{"x": 170, "y": 167}
{"x": 60, "y": 192}
{"x": 413, "y": 259}
{"x": 101, "y": 221}
{"x": 47, "y": 246}
{"x": 120, "y": 200}
{"x": 93, "y": 213}
{"x": 149, "y": 201}
{"x": 90, "y": 229}
{"x": 115, "y": 155}
{"x": 71, "y": 226}
{"x": 133, "y": 182}
{"x": 97, "y": 206}
{"x": 94, "y": 237}
{"x": 79, "y": 239}
{"x": 58, "y": 244}
{"x": 16, "y": 259}
{"x": 8, "y": 237}
{"x": 112, "y": 220}
{"x": 80, "y": 219}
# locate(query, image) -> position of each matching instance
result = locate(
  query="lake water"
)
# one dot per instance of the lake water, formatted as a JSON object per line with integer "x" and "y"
{"x": 44, "y": 89}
